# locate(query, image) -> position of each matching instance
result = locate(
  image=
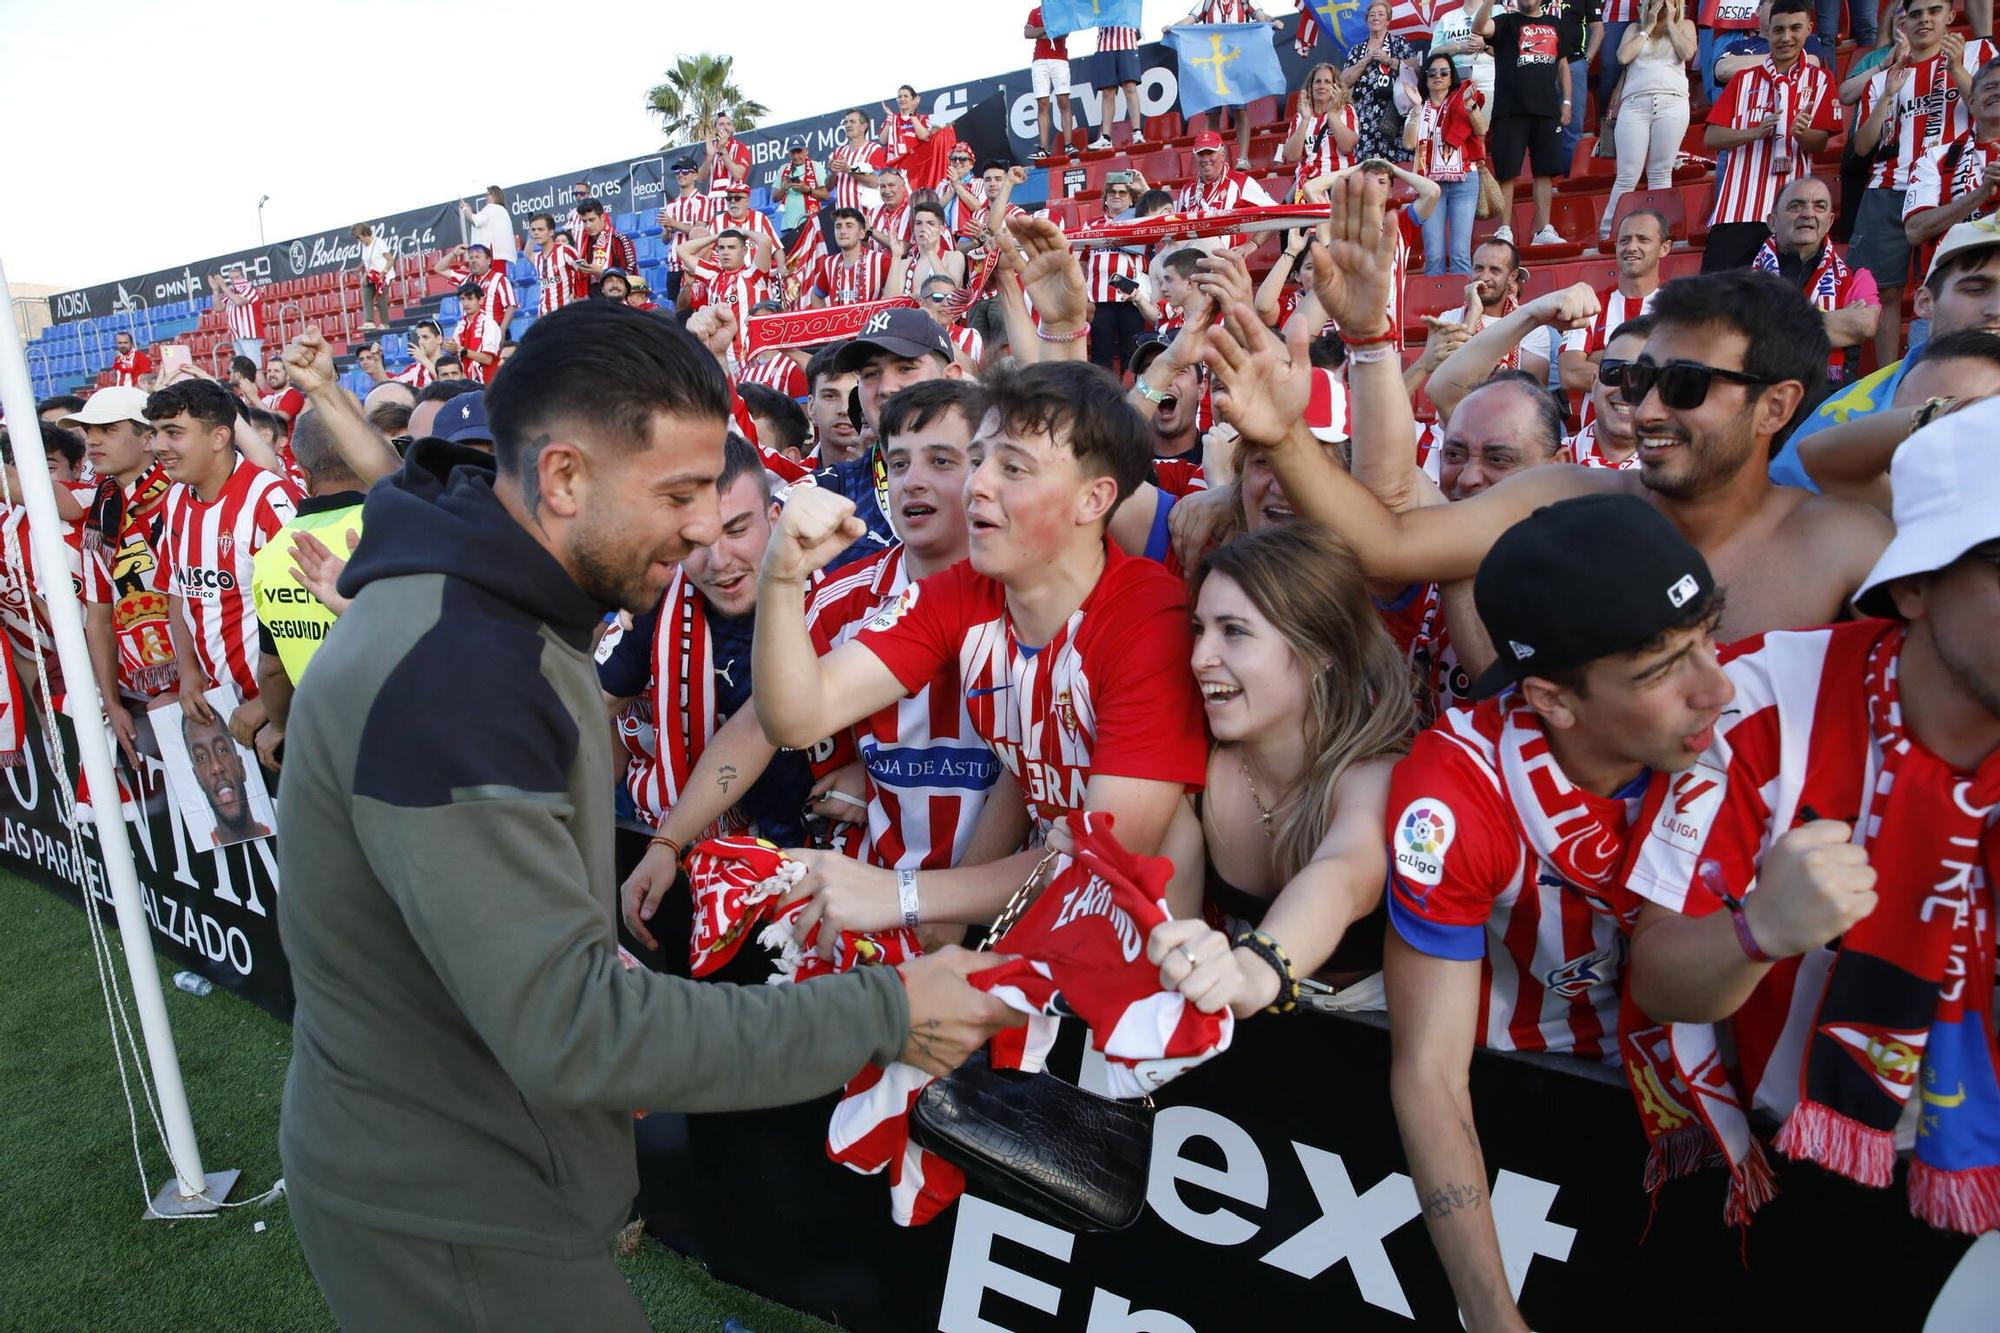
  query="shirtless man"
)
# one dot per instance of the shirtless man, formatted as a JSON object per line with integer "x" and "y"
{"x": 1727, "y": 362}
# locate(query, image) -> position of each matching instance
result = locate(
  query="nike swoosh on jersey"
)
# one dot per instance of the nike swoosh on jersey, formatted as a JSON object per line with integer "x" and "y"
{"x": 988, "y": 689}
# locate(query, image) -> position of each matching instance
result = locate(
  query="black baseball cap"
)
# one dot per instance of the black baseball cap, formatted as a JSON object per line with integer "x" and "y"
{"x": 899, "y": 332}
{"x": 685, "y": 164}
{"x": 1147, "y": 350}
{"x": 1581, "y": 579}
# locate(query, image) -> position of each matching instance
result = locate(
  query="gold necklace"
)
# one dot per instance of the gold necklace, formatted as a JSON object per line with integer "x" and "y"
{"x": 1263, "y": 812}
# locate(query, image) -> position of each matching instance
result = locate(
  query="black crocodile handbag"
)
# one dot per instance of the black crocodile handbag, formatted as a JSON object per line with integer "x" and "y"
{"x": 1045, "y": 1147}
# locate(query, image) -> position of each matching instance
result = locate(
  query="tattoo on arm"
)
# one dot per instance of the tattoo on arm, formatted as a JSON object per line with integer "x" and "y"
{"x": 1448, "y": 1199}
{"x": 725, "y": 776}
{"x": 924, "y": 1036}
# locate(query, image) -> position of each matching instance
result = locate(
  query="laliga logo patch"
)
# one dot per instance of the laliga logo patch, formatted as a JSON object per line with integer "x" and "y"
{"x": 893, "y": 612}
{"x": 1690, "y": 807}
{"x": 1423, "y": 833}
{"x": 1683, "y": 591}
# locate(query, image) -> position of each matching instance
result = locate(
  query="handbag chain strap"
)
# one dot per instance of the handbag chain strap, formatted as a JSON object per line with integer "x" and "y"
{"x": 1017, "y": 905}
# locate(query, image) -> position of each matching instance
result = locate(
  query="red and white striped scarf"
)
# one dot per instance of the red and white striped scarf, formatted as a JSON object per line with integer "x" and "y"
{"x": 1912, "y": 982}
{"x": 683, "y": 699}
{"x": 1828, "y": 281}
{"x": 1566, "y": 828}
{"x": 1080, "y": 950}
{"x": 737, "y": 884}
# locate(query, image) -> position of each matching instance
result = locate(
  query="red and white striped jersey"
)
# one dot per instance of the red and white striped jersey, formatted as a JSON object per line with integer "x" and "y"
{"x": 128, "y": 369}
{"x": 928, "y": 770}
{"x": 204, "y": 560}
{"x": 843, "y": 281}
{"x": 1232, "y": 189}
{"x": 1928, "y": 112}
{"x": 775, "y": 370}
{"x": 417, "y": 375}
{"x": 1467, "y": 883}
{"x": 1747, "y": 186}
{"x": 968, "y": 342}
{"x": 1613, "y": 309}
{"x": 688, "y": 210}
{"x": 1620, "y": 11}
{"x": 1584, "y": 449}
{"x": 1947, "y": 174}
{"x": 902, "y": 136}
{"x": 740, "y": 288}
{"x": 1111, "y": 693}
{"x": 1117, "y": 39}
{"x": 246, "y": 320}
{"x": 753, "y": 224}
{"x": 476, "y": 332}
{"x": 496, "y": 288}
{"x": 1409, "y": 232}
{"x": 892, "y": 221}
{"x": 562, "y": 281}
{"x": 1320, "y": 155}
{"x": 735, "y": 151}
{"x": 866, "y": 157}
{"x": 1103, "y": 263}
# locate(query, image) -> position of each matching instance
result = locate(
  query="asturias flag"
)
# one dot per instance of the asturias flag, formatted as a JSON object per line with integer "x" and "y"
{"x": 1226, "y": 64}
{"x": 1345, "y": 21}
{"x": 1062, "y": 17}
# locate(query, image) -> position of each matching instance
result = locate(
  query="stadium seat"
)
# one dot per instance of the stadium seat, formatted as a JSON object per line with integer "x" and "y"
{"x": 1667, "y": 201}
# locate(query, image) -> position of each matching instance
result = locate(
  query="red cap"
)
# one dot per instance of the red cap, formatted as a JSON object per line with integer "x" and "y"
{"x": 1208, "y": 141}
{"x": 736, "y": 187}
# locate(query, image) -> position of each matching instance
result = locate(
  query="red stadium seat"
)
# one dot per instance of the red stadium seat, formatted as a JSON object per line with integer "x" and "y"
{"x": 1667, "y": 201}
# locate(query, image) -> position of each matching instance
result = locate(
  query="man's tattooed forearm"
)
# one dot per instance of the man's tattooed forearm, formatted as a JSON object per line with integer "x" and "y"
{"x": 1448, "y": 1199}
{"x": 725, "y": 776}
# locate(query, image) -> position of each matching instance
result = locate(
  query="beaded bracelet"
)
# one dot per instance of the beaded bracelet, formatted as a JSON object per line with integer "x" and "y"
{"x": 1273, "y": 953}
{"x": 1078, "y": 336}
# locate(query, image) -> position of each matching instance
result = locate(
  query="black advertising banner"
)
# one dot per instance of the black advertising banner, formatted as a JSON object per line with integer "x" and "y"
{"x": 635, "y": 184}
{"x": 1280, "y": 1199}
{"x": 213, "y": 910}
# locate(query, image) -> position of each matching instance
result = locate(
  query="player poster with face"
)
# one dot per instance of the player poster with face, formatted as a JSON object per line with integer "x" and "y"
{"x": 215, "y": 782}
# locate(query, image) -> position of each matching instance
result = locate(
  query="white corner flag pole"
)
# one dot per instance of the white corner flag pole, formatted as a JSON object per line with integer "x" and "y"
{"x": 191, "y": 1191}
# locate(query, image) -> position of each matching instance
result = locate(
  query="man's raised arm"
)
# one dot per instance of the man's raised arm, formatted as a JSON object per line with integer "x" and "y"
{"x": 807, "y": 697}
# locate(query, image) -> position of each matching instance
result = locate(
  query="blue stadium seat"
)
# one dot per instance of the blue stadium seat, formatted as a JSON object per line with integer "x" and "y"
{"x": 519, "y": 325}
{"x": 626, "y": 223}
{"x": 523, "y": 270}
{"x": 395, "y": 347}
{"x": 448, "y": 310}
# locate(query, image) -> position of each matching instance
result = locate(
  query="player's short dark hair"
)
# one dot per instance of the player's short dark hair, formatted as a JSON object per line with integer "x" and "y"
{"x": 729, "y": 232}
{"x": 1186, "y": 262}
{"x": 1785, "y": 332}
{"x": 67, "y": 403}
{"x": 1083, "y": 407}
{"x": 854, "y": 213}
{"x": 443, "y": 391}
{"x": 740, "y": 459}
{"x": 604, "y": 365}
{"x": 586, "y": 207}
{"x": 920, "y": 404}
{"x": 243, "y": 367}
{"x": 1151, "y": 202}
{"x": 929, "y": 204}
{"x": 779, "y": 413}
{"x": 55, "y": 440}
{"x": 1792, "y": 7}
{"x": 1513, "y": 250}
{"x": 392, "y": 419}
{"x": 543, "y": 217}
{"x": 211, "y": 405}
{"x": 266, "y": 420}
{"x": 430, "y": 324}
{"x": 821, "y": 365}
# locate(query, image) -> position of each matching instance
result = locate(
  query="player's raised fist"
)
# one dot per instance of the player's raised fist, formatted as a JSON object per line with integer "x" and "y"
{"x": 817, "y": 524}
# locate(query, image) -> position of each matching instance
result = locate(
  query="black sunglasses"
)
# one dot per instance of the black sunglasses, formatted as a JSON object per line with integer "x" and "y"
{"x": 1611, "y": 371}
{"x": 1683, "y": 385}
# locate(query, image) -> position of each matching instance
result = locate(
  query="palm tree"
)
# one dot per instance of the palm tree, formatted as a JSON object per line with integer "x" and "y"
{"x": 697, "y": 88}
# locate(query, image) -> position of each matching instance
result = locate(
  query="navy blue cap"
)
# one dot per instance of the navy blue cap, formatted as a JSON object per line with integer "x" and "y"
{"x": 462, "y": 419}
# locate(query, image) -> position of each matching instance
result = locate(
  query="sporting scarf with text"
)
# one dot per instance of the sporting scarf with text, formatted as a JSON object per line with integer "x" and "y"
{"x": 1828, "y": 280}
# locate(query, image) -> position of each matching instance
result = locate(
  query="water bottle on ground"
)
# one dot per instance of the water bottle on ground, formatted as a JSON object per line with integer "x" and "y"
{"x": 194, "y": 983}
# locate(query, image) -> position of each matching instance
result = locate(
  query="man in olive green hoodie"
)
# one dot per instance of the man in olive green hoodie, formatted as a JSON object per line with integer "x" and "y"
{"x": 467, "y": 1049}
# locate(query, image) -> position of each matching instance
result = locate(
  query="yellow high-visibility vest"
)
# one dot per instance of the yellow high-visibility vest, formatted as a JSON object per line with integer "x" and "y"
{"x": 297, "y": 621}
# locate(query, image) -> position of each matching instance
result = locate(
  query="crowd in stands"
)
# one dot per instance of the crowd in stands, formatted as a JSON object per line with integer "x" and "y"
{"x": 1583, "y": 640}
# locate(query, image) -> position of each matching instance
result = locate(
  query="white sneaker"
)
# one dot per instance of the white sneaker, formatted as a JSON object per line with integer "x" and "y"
{"x": 1547, "y": 236}
{"x": 1102, "y": 141}
{"x": 1503, "y": 232}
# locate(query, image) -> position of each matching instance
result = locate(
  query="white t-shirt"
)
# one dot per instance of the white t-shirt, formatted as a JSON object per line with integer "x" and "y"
{"x": 1457, "y": 26}
{"x": 493, "y": 227}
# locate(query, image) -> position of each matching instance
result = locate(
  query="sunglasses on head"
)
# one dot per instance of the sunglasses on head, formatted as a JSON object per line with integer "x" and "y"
{"x": 1683, "y": 385}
